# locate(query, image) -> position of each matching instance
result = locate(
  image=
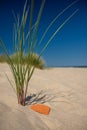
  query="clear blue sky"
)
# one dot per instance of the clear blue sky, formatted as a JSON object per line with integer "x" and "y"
{"x": 69, "y": 47}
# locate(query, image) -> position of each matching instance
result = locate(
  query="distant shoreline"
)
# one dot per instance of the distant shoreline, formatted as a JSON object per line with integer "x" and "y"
{"x": 66, "y": 66}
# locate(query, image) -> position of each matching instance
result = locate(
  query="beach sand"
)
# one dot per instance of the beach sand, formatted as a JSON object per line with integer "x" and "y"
{"x": 64, "y": 90}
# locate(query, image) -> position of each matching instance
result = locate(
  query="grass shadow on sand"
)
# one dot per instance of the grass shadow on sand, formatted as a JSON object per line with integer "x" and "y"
{"x": 40, "y": 97}
{"x": 44, "y": 96}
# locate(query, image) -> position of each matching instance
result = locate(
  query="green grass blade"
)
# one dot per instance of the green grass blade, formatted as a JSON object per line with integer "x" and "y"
{"x": 59, "y": 28}
{"x": 44, "y": 34}
{"x": 10, "y": 83}
{"x": 37, "y": 25}
{"x": 23, "y": 14}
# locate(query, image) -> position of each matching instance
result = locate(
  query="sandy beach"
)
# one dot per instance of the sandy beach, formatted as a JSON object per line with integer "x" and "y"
{"x": 64, "y": 90}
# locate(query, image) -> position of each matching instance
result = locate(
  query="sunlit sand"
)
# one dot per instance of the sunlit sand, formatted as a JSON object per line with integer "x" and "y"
{"x": 64, "y": 90}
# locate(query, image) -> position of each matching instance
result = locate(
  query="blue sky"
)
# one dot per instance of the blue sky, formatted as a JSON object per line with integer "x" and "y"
{"x": 69, "y": 47}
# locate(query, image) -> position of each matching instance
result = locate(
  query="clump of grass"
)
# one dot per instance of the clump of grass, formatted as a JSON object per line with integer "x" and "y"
{"x": 23, "y": 73}
{"x": 37, "y": 63}
{"x": 40, "y": 64}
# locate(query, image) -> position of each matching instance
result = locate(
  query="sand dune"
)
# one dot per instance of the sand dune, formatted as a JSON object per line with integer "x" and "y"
{"x": 63, "y": 89}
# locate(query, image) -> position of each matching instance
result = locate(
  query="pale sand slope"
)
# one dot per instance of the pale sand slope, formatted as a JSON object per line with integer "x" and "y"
{"x": 63, "y": 89}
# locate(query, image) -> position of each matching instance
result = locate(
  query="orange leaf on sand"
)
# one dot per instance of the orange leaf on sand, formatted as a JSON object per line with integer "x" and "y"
{"x": 43, "y": 109}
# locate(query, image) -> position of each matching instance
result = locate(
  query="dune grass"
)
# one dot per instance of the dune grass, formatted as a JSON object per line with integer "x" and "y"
{"x": 22, "y": 71}
{"x": 40, "y": 64}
